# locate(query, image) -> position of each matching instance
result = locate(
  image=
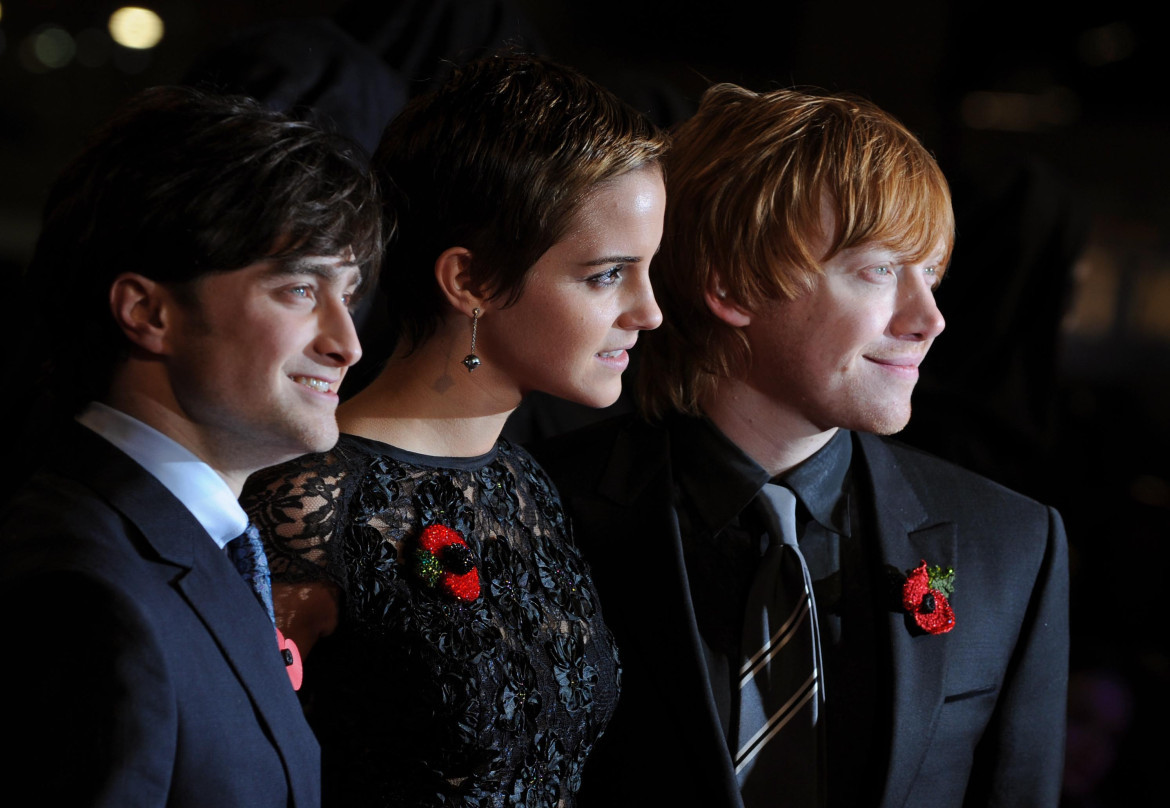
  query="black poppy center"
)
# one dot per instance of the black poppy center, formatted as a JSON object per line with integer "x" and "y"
{"x": 928, "y": 604}
{"x": 457, "y": 559}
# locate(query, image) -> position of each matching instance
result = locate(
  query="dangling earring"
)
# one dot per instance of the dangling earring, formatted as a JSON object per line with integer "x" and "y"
{"x": 471, "y": 361}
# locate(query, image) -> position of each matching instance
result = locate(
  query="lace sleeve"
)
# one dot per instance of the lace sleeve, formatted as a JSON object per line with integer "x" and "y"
{"x": 297, "y": 507}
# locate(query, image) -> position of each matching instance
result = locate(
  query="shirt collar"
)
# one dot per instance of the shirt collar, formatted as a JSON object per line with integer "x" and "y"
{"x": 821, "y": 482}
{"x": 203, "y": 492}
{"x": 718, "y": 477}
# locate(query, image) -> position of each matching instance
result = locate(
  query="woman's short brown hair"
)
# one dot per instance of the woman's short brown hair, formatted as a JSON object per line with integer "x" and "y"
{"x": 498, "y": 160}
{"x": 749, "y": 174}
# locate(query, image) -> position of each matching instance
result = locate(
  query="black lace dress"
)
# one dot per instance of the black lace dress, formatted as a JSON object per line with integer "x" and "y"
{"x": 476, "y": 675}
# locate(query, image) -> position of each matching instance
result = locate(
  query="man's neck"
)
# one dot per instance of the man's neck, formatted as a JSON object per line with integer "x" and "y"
{"x": 772, "y": 436}
{"x": 166, "y": 418}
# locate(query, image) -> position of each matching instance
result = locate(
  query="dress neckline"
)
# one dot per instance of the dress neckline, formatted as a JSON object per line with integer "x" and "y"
{"x": 427, "y": 461}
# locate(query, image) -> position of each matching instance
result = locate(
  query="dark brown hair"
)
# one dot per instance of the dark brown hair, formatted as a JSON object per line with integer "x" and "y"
{"x": 498, "y": 161}
{"x": 180, "y": 183}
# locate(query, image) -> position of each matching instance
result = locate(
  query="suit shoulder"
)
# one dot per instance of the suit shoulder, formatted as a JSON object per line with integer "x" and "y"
{"x": 935, "y": 479}
{"x": 55, "y": 525}
{"x": 53, "y": 505}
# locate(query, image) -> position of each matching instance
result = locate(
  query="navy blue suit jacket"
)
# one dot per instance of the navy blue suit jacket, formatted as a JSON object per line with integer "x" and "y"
{"x": 976, "y": 716}
{"x": 139, "y": 668}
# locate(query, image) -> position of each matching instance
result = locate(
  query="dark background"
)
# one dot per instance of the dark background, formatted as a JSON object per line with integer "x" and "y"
{"x": 1053, "y": 376}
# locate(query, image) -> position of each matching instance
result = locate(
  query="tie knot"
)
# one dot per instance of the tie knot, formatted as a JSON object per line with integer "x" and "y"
{"x": 777, "y": 503}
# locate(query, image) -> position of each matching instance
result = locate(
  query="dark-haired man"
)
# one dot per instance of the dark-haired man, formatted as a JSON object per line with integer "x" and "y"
{"x": 809, "y": 614}
{"x": 202, "y": 254}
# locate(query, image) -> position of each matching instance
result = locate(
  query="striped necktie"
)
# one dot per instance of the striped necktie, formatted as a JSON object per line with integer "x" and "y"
{"x": 781, "y": 697}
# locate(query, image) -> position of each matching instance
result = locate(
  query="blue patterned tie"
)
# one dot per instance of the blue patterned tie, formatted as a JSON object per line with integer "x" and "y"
{"x": 781, "y": 696}
{"x": 247, "y": 552}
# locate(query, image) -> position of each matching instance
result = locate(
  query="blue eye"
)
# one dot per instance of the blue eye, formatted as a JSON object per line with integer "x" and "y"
{"x": 934, "y": 275}
{"x": 301, "y": 292}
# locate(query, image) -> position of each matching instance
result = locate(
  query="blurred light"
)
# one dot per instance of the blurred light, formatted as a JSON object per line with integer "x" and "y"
{"x": 1094, "y": 305}
{"x": 1151, "y": 304}
{"x": 28, "y": 57}
{"x": 1, "y": 11}
{"x": 134, "y": 27}
{"x": 93, "y": 47}
{"x": 53, "y": 47}
{"x": 1020, "y": 112}
{"x": 1150, "y": 490}
{"x": 1107, "y": 44}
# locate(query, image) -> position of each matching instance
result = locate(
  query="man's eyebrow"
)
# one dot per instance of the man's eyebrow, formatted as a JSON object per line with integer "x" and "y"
{"x": 324, "y": 268}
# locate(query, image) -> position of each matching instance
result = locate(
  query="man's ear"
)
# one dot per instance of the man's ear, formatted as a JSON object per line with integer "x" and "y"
{"x": 140, "y": 307}
{"x": 453, "y": 274}
{"x": 722, "y": 306}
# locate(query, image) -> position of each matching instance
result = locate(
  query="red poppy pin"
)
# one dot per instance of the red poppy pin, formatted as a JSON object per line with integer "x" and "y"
{"x": 444, "y": 560}
{"x": 925, "y": 597}
{"x": 292, "y": 659}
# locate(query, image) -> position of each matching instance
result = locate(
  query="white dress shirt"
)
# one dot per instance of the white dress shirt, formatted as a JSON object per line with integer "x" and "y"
{"x": 203, "y": 492}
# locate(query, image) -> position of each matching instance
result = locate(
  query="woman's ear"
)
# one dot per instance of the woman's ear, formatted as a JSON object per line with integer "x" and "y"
{"x": 140, "y": 307}
{"x": 722, "y": 305}
{"x": 453, "y": 274}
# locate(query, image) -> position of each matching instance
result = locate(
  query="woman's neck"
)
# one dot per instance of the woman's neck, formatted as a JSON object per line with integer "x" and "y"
{"x": 427, "y": 402}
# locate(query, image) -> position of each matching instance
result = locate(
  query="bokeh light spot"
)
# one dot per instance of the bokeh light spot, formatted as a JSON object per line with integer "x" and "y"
{"x": 53, "y": 47}
{"x": 136, "y": 27}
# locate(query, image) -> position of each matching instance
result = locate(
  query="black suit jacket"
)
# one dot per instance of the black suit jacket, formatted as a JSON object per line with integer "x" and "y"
{"x": 138, "y": 667}
{"x": 976, "y": 716}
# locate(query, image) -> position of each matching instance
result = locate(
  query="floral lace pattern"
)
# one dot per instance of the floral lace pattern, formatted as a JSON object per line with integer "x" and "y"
{"x": 420, "y": 698}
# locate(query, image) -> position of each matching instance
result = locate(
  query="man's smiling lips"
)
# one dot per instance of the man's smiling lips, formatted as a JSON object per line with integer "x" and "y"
{"x": 901, "y": 365}
{"x": 315, "y": 383}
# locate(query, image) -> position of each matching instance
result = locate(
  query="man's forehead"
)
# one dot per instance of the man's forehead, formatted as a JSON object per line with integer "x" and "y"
{"x": 904, "y": 246}
{"x": 896, "y": 253}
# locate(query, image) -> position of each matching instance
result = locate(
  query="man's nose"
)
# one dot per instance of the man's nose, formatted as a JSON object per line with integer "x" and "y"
{"x": 918, "y": 315}
{"x": 338, "y": 339}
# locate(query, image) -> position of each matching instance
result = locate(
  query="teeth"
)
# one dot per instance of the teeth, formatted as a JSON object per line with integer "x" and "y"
{"x": 610, "y": 354}
{"x": 319, "y": 385}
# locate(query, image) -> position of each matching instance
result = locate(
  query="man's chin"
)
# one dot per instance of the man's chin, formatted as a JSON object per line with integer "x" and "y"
{"x": 883, "y": 421}
{"x": 322, "y": 442}
{"x": 315, "y": 441}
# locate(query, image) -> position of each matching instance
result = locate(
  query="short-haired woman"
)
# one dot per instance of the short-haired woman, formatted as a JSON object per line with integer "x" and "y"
{"x": 456, "y": 653}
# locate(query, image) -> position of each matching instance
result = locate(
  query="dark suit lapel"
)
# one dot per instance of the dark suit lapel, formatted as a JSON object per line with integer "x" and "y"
{"x": 906, "y": 535}
{"x": 206, "y": 579}
{"x": 246, "y": 637}
{"x": 637, "y": 493}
